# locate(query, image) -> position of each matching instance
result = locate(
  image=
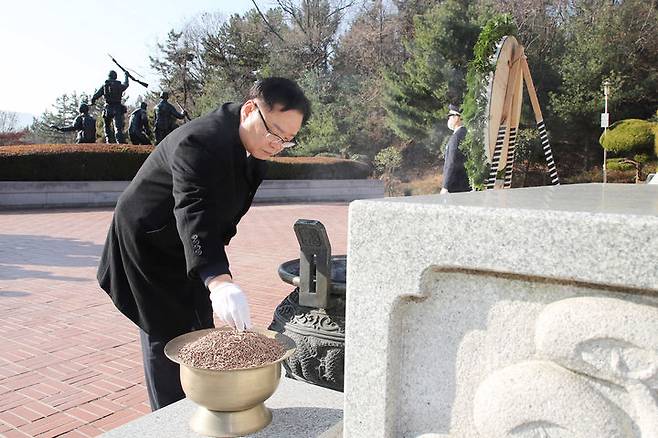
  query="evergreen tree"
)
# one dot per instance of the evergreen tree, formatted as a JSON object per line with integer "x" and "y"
{"x": 615, "y": 41}
{"x": 179, "y": 66}
{"x": 433, "y": 76}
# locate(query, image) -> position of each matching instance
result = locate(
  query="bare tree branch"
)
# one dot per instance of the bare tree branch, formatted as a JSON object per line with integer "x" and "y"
{"x": 266, "y": 22}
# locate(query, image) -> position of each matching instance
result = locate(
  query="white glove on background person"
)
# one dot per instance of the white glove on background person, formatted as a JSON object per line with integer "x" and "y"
{"x": 230, "y": 304}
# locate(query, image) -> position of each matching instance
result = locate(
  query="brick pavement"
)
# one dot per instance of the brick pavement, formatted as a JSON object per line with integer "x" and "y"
{"x": 70, "y": 363}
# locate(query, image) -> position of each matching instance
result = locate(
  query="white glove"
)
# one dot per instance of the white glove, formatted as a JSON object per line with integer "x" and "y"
{"x": 230, "y": 304}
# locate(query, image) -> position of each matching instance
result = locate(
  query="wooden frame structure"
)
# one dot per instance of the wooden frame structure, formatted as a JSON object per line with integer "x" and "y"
{"x": 505, "y": 96}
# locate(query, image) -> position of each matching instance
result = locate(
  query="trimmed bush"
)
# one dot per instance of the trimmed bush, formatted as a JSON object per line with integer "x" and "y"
{"x": 111, "y": 162}
{"x": 316, "y": 168}
{"x": 630, "y": 135}
{"x": 71, "y": 162}
{"x": 619, "y": 164}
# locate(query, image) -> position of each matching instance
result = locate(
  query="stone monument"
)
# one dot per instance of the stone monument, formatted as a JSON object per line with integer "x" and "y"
{"x": 513, "y": 313}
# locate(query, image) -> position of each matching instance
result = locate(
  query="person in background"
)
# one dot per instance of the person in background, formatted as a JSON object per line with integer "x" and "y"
{"x": 164, "y": 264}
{"x": 455, "y": 178}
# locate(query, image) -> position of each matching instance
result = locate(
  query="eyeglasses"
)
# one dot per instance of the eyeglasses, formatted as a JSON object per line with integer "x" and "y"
{"x": 285, "y": 143}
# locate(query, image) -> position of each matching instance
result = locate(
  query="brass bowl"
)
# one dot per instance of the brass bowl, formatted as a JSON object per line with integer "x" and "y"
{"x": 231, "y": 401}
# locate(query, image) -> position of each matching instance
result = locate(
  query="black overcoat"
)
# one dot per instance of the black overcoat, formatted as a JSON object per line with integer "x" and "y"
{"x": 455, "y": 178}
{"x": 174, "y": 219}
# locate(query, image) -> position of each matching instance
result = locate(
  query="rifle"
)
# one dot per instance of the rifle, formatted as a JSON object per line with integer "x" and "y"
{"x": 144, "y": 84}
{"x": 184, "y": 111}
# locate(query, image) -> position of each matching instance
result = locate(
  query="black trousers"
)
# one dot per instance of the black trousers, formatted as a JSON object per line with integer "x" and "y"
{"x": 163, "y": 375}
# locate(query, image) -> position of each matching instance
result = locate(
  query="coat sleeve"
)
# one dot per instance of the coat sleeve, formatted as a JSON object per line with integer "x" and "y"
{"x": 202, "y": 191}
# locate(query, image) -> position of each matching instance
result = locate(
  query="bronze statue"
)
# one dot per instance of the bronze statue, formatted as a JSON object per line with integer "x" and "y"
{"x": 113, "y": 90}
{"x": 138, "y": 126}
{"x": 84, "y": 124}
{"x": 165, "y": 115}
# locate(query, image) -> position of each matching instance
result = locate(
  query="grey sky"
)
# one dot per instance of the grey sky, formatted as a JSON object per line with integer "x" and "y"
{"x": 53, "y": 47}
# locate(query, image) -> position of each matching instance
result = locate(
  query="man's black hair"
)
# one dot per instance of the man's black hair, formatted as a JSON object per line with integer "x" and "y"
{"x": 284, "y": 92}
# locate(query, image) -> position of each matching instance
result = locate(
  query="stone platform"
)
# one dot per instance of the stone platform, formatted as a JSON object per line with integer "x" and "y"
{"x": 299, "y": 410}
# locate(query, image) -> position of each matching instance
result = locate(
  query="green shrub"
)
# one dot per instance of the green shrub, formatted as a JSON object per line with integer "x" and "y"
{"x": 619, "y": 164}
{"x": 316, "y": 168}
{"x": 71, "y": 162}
{"x": 388, "y": 160}
{"x": 105, "y": 162}
{"x": 630, "y": 135}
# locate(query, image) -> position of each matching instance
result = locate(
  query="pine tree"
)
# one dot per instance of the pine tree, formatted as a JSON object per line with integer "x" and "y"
{"x": 433, "y": 76}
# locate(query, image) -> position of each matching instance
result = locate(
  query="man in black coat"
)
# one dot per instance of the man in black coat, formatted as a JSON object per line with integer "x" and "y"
{"x": 455, "y": 178}
{"x": 164, "y": 263}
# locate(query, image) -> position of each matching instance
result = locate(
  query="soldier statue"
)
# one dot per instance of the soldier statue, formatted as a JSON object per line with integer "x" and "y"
{"x": 165, "y": 115}
{"x": 84, "y": 124}
{"x": 138, "y": 126}
{"x": 113, "y": 90}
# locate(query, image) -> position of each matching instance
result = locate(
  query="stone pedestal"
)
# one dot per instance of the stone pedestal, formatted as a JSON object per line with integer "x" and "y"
{"x": 298, "y": 410}
{"x": 510, "y": 313}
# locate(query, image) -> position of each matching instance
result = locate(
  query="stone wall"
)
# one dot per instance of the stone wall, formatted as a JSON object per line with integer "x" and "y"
{"x": 29, "y": 194}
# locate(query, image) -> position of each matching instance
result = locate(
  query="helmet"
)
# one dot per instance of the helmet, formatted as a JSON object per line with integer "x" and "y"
{"x": 84, "y": 108}
{"x": 164, "y": 95}
{"x": 112, "y": 75}
{"x": 142, "y": 105}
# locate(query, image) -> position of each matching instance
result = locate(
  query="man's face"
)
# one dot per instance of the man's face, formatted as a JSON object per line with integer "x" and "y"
{"x": 454, "y": 121}
{"x": 266, "y": 131}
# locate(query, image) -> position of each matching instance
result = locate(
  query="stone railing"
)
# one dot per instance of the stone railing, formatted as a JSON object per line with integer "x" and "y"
{"x": 56, "y": 194}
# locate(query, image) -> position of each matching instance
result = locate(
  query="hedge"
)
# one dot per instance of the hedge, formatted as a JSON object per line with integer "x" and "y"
{"x": 111, "y": 162}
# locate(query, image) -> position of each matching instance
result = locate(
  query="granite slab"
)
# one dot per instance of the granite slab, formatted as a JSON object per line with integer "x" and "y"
{"x": 298, "y": 410}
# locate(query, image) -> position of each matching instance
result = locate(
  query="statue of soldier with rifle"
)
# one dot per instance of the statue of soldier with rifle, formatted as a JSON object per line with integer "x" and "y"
{"x": 138, "y": 126}
{"x": 84, "y": 124}
{"x": 165, "y": 115}
{"x": 113, "y": 110}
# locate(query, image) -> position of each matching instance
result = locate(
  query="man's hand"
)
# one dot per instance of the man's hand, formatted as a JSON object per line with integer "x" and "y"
{"x": 443, "y": 191}
{"x": 229, "y": 302}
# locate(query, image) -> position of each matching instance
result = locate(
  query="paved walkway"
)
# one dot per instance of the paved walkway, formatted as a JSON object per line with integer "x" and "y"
{"x": 70, "y": 363}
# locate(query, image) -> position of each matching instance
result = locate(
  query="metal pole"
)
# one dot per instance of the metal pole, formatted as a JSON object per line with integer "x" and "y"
{"x": 605, "y": 131}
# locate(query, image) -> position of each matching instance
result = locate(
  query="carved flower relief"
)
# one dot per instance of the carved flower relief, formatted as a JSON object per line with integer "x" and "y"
{"x": 539, "y": 399}
{"x": 621, "y": 362}
{"x": 603, "y": 338}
